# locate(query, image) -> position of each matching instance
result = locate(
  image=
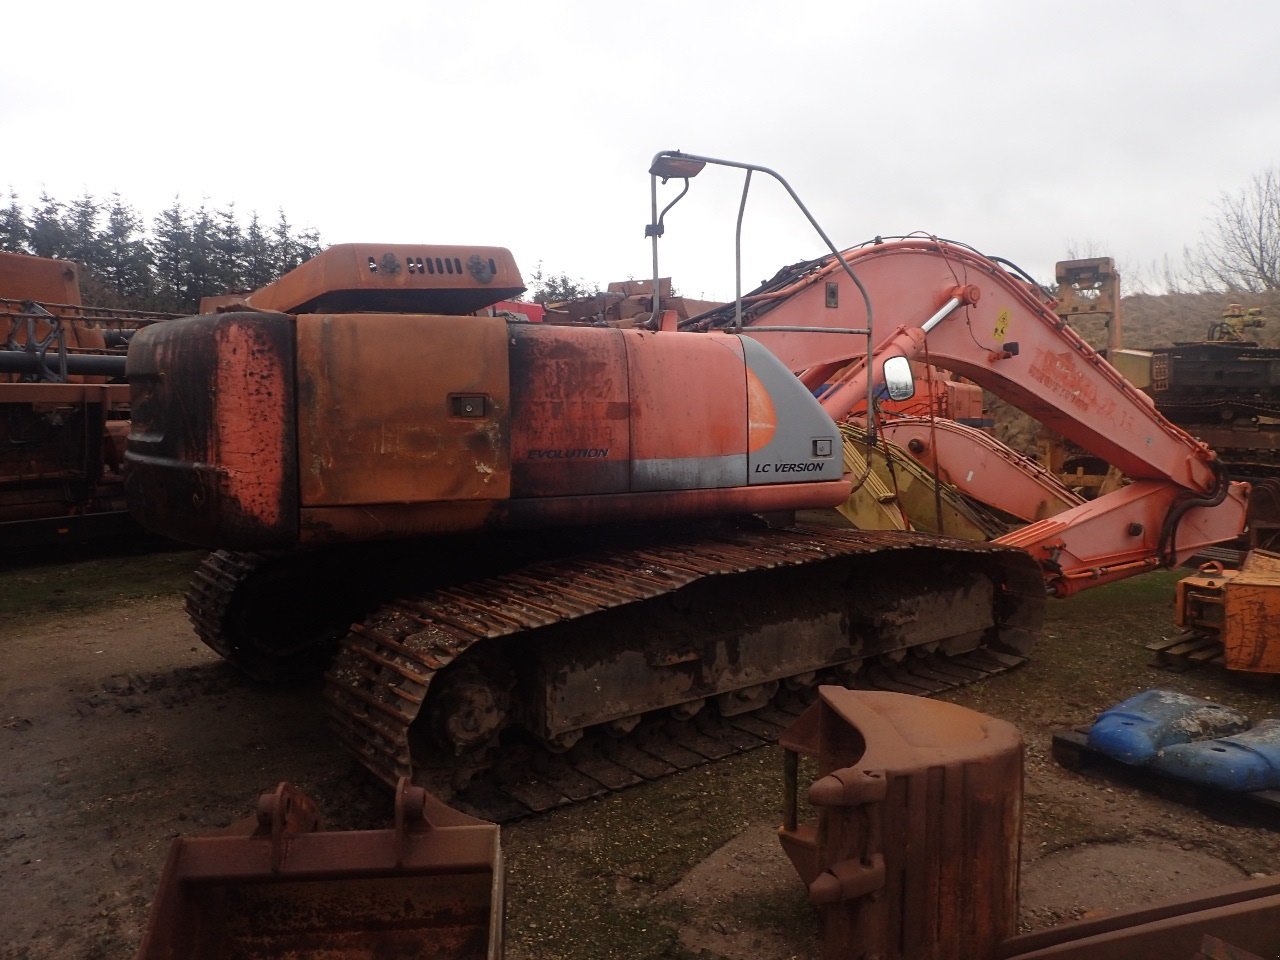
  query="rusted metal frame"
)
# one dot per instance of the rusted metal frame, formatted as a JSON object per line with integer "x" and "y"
{"x": 434, "y": 662}
{"x": 327, "y": 856}
{"x": 406, "y": 673}
{"x": 320, "y": 855}
{"x": 376, "y": 711}
{"x": 704, "y": 561}
{"x": 658, "y": 579}
{"x": 1171, "y": 930}
{"x": 453, "y": 635}
{"x": 568, "y": 576}
{"x": 39, "y": 347}
{"x": 499, "y": 596}
{"x": 385, "y": 756}
{"x": 591, "y": 582}
{"x": 729, "y": 559}
{"x": 378, "y": 673}
{"x": 525, "y": 588}
{"x": 644, "y": 579}
{"x": 428, "y": 841}
{"x": 432, "y": 615}
{"x": 1211, "y": 948}
{"x": 530, "y": 611}
{"x": 88, "y": 314}
{"x": 592, "y": 599}
{"x": 690, "y": 564}
{"x": 373, "y": 701}
{"x": 485, "y": 610}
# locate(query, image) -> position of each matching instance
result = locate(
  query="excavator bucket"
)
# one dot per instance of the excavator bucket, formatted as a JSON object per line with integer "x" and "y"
{"x": 919, "y": 803}
{"x": 279, "y": 886}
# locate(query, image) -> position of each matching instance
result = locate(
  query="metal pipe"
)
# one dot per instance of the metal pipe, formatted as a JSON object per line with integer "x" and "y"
{"x": 737, "y": 257}
{"x": 858, "y": 331}
{"x": 92, "y": 365}
{"x": 654, "y": 231}
{"x": 941, "y": 315}
{"x": 866, "y": 297}
{"x": 790, "y": 786}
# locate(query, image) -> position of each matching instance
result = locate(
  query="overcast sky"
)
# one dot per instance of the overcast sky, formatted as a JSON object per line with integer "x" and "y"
{"x": 1025, "y": 129}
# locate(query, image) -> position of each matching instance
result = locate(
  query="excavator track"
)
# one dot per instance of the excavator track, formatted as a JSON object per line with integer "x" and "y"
{"x": 578, "y": 675}
{"x": 250, "y": 609}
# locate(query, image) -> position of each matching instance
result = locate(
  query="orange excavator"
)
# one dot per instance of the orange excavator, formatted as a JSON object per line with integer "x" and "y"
{"x": 543, "y": 531}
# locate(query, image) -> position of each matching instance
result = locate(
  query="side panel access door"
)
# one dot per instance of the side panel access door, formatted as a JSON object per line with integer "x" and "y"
{"x": 403, "y": 409}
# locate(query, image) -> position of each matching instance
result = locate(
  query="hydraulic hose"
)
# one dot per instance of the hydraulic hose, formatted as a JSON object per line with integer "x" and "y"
{"x": 1169, "y": 529}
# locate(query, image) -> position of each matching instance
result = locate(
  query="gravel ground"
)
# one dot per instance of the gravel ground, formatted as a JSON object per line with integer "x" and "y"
{"x": 118, "y": 731}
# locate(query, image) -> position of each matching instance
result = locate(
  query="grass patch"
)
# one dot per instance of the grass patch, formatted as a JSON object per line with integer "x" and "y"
{"x": 619, "y": 854}
{"x": 41, "y": 590}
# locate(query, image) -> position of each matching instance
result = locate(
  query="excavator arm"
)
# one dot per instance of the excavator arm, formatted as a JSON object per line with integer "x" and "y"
{"x": 947, "y": 305}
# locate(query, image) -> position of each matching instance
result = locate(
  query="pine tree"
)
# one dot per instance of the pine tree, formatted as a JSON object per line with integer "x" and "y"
{"x": 188, "y": 255}
{"x": 48, "y": 236}
{"x": 259, "y": 269}
{"x": 80, "y": 232}
{"x": 125, "y": 260}
{"x": 202, "y": 278}
{"x": 228, "y": 247}
{"x": 171, "y": 249}
{"x": 286, "y": 251}
{"x": 14, "y": 232}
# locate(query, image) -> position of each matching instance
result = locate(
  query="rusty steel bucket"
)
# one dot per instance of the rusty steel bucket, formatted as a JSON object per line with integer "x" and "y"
{"x": 432, "y": 887}
{"x": 914, "y": 852}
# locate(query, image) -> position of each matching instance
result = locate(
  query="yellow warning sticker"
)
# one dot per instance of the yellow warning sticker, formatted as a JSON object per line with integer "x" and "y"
{"x": 1002, "y": 324}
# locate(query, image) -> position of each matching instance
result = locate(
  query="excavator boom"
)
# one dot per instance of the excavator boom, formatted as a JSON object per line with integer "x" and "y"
{"x": 946, "y": 305}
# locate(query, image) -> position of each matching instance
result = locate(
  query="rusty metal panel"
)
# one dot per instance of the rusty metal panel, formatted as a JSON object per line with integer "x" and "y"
{"x": 570, "y": 411}
{"x": 915, "y": 849}
{"x": 281, "y": 887}
{"x": 24, "y": 277}
{"x": 1246, "y": 915}
{"x": 211, "y": 449}
{"x": 1251, "y": 610}
{"x": 393, "y": 277}
{"x": 402, "y": 409}
{"x": 683, "y": 440}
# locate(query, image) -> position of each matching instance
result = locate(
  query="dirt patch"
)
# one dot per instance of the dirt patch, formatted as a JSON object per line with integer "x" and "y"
{"x": 119, "y": 731}
{"x": 1099, "y": 878}
{"x": 725, "y": 897}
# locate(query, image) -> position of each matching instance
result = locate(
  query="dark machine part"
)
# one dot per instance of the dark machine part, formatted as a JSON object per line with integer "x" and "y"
{"x": 594, "y": 668}
{"x": 63, "y": 408}
{"x": 37, "y": 366}
{"x": 1226, "y": 393}
{"x": 278, "y": 885}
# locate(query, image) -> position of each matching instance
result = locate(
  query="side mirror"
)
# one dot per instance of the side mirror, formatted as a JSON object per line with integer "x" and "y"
{"x": 898, "y": 382}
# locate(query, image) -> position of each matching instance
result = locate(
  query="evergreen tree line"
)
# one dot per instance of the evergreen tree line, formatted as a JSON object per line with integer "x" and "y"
{"x": 187, "y": 254}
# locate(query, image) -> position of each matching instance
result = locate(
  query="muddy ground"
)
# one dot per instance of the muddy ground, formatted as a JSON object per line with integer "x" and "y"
{"x": 118, "y": 732}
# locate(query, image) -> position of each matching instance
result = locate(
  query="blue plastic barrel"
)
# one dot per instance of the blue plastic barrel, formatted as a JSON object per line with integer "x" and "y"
{"x": 1241, "y": 762}
{"x": 1136, "y": 730}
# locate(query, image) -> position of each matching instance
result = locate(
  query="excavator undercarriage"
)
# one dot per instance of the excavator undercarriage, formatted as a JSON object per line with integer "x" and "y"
{"x": 587, "y": 666}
